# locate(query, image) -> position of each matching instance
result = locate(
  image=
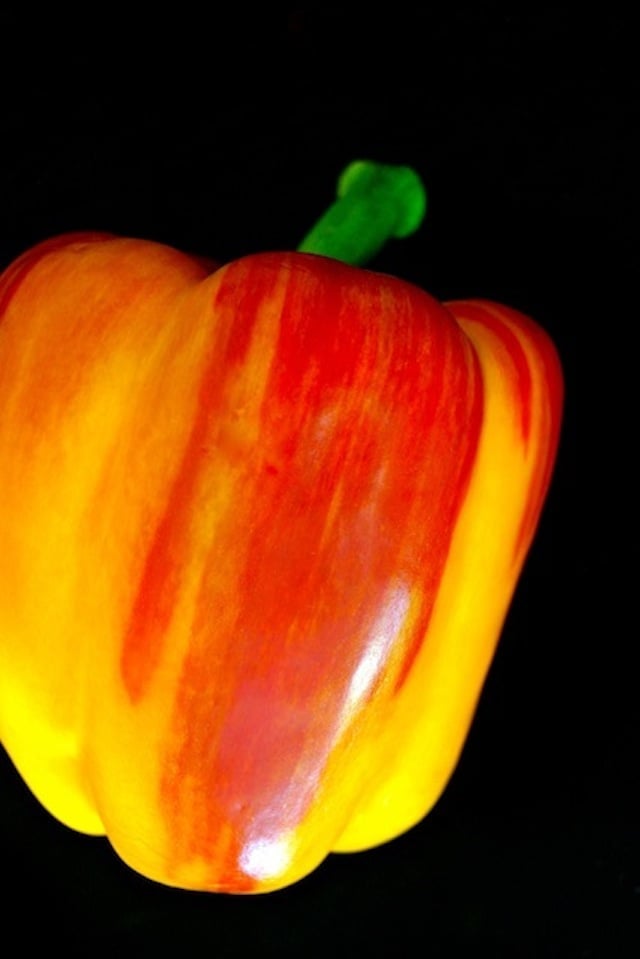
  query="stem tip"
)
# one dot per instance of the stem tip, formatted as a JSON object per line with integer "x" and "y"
{"x": 375, "y": 202}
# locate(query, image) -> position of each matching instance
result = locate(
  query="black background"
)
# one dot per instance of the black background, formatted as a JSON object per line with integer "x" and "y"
{"x": 223, "y": 133}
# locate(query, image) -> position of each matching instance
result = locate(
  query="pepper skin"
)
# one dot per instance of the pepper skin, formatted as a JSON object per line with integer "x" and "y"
{"x": 260, "y": 528}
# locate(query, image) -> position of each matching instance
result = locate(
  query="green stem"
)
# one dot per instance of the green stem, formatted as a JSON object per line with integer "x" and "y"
{"x": 375, "y": 202}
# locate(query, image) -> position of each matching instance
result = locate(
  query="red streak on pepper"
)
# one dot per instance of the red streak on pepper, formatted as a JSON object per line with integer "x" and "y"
{"x": 162, "y": 577}
{"x": 517, "y": 363}
{"x": 529, "y": 348}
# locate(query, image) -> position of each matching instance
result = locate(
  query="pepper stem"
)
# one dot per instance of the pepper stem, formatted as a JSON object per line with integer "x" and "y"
{"x": 375, "y": 202}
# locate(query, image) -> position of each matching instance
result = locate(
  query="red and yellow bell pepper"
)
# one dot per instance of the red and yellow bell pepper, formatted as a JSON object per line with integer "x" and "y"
{"x": 260, "y": 528}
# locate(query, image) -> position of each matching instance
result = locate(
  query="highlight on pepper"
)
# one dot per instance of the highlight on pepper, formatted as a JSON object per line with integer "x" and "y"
{"x": 260, "y": 529}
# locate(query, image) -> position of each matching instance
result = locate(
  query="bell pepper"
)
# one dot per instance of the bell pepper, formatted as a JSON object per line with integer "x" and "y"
{"x": 261, "y": 524}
